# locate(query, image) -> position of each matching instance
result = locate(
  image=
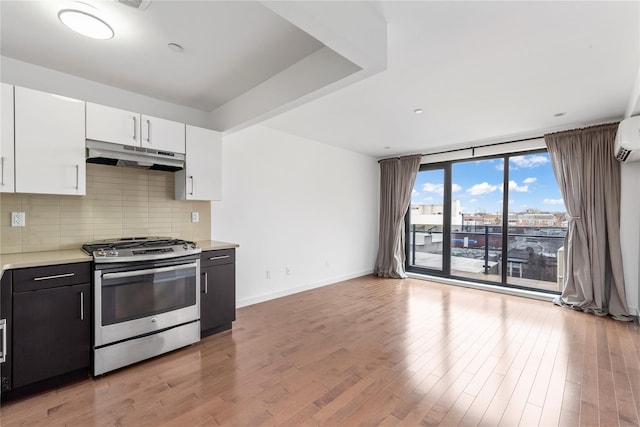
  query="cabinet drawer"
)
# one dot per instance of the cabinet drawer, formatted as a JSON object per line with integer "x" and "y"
{"x": 222, "y": 256}
{"x": 51, "y": 276}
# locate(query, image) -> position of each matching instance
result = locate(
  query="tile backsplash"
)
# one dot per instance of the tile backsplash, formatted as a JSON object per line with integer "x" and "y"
{"x": 119, "y": 202}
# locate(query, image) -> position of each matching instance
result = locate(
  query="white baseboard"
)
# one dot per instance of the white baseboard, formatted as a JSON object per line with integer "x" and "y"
{"x": 290, "y": 291}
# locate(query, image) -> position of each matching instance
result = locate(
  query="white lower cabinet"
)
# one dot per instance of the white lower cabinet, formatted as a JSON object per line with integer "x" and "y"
{"x": 49, "y": 143}
{"x": 202, "y": 177}
{"x": 7, "y": 156}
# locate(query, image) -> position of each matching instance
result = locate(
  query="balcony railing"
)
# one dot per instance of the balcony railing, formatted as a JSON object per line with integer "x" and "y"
{"x": 531, "y": 251}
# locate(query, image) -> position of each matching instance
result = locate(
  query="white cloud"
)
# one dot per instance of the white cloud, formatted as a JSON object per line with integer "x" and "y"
{"x": 554, "y": 201}
{"x": 500, "y": 166}
{"x": 482, "y": 188}
{"x": 414, "y": 193}
{"x": 439, "y": 188}
{"x": 513, "y": 186}
{"x": 433, "y": 188}
{"x": 530, "y": 180}
{"x": 473, "y": 200}
{"x": 530, "y": 161}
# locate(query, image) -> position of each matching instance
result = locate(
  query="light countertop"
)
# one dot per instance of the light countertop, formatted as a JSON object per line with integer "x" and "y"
{"x": 38, "y": 259}
{"x": 214, "y": 245}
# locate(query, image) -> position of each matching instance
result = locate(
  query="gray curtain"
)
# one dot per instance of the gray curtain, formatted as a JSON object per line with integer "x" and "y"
{"x": 589, "y": 179}
{"x": 397, "y": 177}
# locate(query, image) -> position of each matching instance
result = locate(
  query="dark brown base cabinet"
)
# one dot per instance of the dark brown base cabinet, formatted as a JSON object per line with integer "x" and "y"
{"x": 5, "y": 314}
{"x": 218, "y": 291}
{"x": 51, "y": 322}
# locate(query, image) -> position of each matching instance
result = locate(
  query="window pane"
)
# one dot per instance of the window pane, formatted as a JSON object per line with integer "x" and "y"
{"x": 476, "y": 219}
{"x": 537, "y": 222}
{"x": 425, "y": 228}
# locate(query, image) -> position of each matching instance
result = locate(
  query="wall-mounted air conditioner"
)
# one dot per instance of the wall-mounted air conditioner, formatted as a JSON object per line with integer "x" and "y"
{"x": 627, "y": 146}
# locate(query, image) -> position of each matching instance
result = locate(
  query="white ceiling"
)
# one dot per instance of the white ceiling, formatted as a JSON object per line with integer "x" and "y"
{"x": 229, "y": 47}
{"x": 480, "y": 71}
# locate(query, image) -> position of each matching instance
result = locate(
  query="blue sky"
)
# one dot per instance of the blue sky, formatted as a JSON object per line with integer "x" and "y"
{"x": 477, "y": 184}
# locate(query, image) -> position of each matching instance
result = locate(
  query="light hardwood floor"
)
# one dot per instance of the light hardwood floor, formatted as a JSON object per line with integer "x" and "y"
{"x": 373, "y": 351}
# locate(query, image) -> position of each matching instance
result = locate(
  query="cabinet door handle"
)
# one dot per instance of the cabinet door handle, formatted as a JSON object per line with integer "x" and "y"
{"x": 3, "y": 328}
{"x": 206, "y": 283}
{"x": 193, "y": 184}
{"x": 149, "y": 131}
{"x": 134, "y": 127}
{"x": 56, "y": 276}
{"x": 81, "y": 305}
{"x": 2, "y": 166}
{"x": 213, "y": 258}
{"x": 77, "y": 176}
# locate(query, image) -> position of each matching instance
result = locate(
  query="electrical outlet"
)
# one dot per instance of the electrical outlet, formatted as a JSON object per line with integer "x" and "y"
{"x": 195, "y": 216}
{"x": 287, "y": 270}
{"x": 18, "y": 219}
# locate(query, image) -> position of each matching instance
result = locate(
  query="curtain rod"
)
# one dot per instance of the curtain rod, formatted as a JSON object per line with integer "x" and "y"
{"x": 472, "y": 148}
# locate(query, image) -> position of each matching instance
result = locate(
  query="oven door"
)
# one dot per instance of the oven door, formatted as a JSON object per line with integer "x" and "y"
{"x": 144, "y": 299}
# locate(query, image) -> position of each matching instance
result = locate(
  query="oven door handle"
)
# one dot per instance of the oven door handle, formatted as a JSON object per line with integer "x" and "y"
{"x": 149, "y": 271}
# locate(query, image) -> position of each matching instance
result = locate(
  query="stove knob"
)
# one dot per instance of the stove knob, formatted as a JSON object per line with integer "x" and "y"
{"x": 185, "y": 246}
{"x": 113, "y": 252}
{"x": 194, "y": 246}
{"x": 101, "y": 252}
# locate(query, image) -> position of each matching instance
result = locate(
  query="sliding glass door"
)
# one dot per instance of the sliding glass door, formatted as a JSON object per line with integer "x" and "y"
{"x": 476, "y": 229}
{"x": 537, "y": 223}
{"x": 425, "y": 240}
{"x": 498, "y": 220}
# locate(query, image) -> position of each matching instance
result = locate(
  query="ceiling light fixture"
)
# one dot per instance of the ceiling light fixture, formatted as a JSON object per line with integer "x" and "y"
{"x": 418, "y": 111}
{"x": 559, "y": 114}
{"x": 81, "y": 19}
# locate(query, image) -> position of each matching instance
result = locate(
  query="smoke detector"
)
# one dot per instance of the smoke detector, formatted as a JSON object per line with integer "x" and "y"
{"x": 138, "y": 4}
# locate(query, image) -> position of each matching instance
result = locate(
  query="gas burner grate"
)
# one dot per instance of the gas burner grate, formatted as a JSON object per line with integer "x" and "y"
{"x": 132, "y": 243}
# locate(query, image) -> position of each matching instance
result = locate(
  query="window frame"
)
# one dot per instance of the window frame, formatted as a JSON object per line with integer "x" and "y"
{"x": 446, "y": 166}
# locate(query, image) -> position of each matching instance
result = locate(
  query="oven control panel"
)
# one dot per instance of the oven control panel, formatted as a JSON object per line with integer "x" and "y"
{"x": 107, "y": 252}
{"x": 152, "y": 251}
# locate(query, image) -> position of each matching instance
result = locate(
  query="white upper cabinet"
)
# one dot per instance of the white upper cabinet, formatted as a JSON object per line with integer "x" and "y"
{"x": 7, "y": 156}
{"x": 49, "y": 143}
{"x": 127, "y": 128}
{"x": 161, "y": 134}
{"x": 113, "y": 125}
{"x": 202, "y": 177}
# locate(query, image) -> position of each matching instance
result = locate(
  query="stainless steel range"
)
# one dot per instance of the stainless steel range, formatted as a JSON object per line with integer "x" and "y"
{"x": 146, "y": 298}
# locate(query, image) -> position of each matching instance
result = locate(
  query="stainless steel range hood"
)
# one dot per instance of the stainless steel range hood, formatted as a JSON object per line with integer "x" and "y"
{"x": 107, "y": 153}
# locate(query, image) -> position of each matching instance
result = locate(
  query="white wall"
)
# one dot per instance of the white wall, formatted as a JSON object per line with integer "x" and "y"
{"x": 630, "y": 232}
{"x": 292, "y": 202}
